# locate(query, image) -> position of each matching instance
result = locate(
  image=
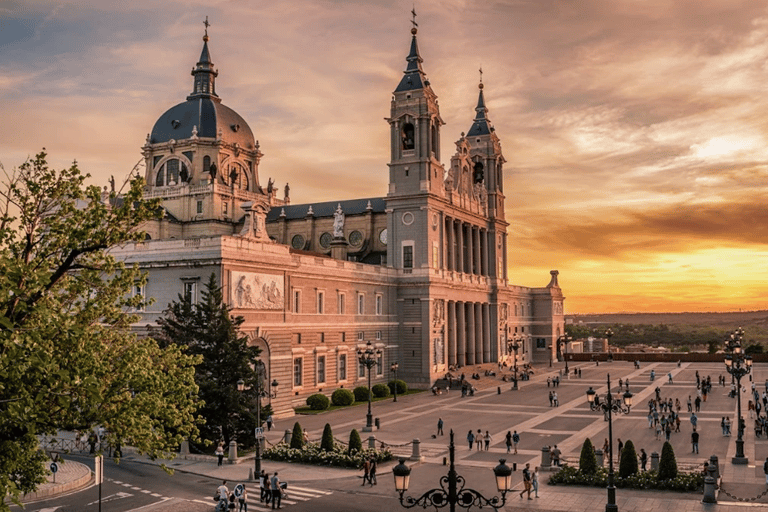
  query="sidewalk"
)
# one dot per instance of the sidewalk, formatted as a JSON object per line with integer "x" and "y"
{"x": 71, "y": 476}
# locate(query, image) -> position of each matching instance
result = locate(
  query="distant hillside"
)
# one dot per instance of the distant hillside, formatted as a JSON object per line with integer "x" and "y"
{"x": 729, "y": 321}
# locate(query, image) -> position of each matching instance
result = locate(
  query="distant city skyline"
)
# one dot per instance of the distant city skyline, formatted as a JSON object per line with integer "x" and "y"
{"x": 634, "y": 132}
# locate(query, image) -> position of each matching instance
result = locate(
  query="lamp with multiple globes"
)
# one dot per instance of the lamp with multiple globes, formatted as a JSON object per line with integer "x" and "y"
{"x": 368, "y": 358}
{"x": 738, "y": 366}
{"x": 261, "y": 392}
{"x": 514, "y": 345}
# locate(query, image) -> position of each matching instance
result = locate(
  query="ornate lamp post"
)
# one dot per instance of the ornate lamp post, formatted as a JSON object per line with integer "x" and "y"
{"x": 455, "y": 494}
{"x": 393, "y": 369}
{"x": 514, "y": 345}
{"x": 260, "y": 393}
{"x": 738, "y": 366}
{"x": 608, "y": 334}
{"x": 368, "y": 358}
{"x": 609, "y": 406}
{"x": 564, "y": 339}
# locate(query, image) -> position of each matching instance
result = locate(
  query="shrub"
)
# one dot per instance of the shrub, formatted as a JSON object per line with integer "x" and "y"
{"x": 380, "y": 390}
{"x": 326, "y": 444}
{"x": 628, "y": 462}
{"x": 318, "y": 402}
{"x": 569, "y": 475}
{"x": 342, "y": 397}
{"x": 355, "y": 443}
{"x": 361, "y": 394}
{"x": 312, "y": 454}
{"x": 297, "y": 438}
{"x": 402, "y": 387}
{"x": 668, "y": 463}
{"x": 588, "y": 460}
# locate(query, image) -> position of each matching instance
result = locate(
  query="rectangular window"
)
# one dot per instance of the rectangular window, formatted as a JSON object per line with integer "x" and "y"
{"x": 343, "y": 337}
{"x": 379, "y": 305}
{"x": 378, "y": 335}
{"x": 342, "y": 367}
{"x": 360, "y": 304}
{"x": 199, "y": 207}
{"x": 435, "y": 255}
{"x": 225, "y": 208}
{"x": 320, "y": 303}
{"x": 322, "y": 337}
{"x": 297, "y": 372}
{"x": 360, "y": 336}
{"x": 342, "y": 301}
{"x": 408, "y": 256}
{"x": 190, "y": 292}
{"x": 380, "y": 364}
{"x": 360, "y": 369}
{"x": 139, "y": 291}
{"x": 541, "y": 343}
{"x": 320, "y": 369}
{"x": 296, "y": 301}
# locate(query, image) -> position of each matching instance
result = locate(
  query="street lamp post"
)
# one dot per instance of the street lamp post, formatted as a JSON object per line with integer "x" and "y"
{"x": 564, "y": 339}
{"x": 514, "y": 345}
{"x": 393, "y": 369}
{"x": 260, "y": 393}
{"x": 609, "y": 406}
{"x": 368, "y": 358}
{"x": 738, "y": 366}
{"x": 455, "y": 494}
{"x": 608, "y": 334}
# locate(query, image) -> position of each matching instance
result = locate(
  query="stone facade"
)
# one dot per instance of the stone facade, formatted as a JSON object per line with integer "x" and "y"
{"x": 421, "y": 273}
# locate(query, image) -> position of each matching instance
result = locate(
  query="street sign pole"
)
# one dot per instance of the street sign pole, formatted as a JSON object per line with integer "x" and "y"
{"x": 99, "y": 471}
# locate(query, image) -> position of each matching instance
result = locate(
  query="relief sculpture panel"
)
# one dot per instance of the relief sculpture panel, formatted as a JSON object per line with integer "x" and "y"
{"x": 257, "y": 291}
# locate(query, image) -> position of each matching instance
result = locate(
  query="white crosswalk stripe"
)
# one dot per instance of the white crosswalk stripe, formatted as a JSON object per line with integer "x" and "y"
{"x": 294, "y": 495}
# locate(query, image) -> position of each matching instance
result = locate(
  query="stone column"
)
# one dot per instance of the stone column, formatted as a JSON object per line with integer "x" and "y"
{"x": 487, "y": 333}
{"x": 470, "y": 333}
{"x": 460, "y": 247}
{"x": 461, "y": 334}
{"x": 470, "y": 249}
{"x": 478, "y": 264}
{"x": 451, "y": 332}
{"x": 479, "y": 333}
{"x": 448, "y": 224}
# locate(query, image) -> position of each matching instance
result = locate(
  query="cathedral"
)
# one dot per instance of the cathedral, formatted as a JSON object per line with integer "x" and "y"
{"x": 420, "y": 273}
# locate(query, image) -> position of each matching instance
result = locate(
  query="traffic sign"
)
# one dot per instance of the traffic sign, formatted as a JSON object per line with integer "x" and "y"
{"x": 54, "y": 467}
{"x": 259, "y": 432}
{"x": 239, "y": 490}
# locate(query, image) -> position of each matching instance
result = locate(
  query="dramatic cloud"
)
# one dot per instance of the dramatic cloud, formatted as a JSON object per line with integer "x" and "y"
{"x": 635, "y": 132}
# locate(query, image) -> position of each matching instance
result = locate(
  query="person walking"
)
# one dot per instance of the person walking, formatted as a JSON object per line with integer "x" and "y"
{"x": 220, "y": 453}
{"x": 694, "y": 419}
{"x": 372, "y": 474}
{"x": 695, "y": 441}
{"x": 479, "y": 440}
{"x": 527, "y": 481}
{"x": 276, "y": 491}
{"x": 667, "y": 431}
{"x": 535, "y": 481}
{"x": 470, "y": 439}
{"x": 515, "y": 440}
{"x": 223, "y": 496}
{"x": 439, "y": 426}
{"x": 555, "y": 456}
{"x": 269, "y": 423}
{"x": 621, "y": 447}
{"x": 366, "y": 472}
{"x": 697, "y": 404}
{"x": 243, "y": 500}
{"x": 643, "y": 459}
{"x": 690, "y": 405}
{"x": 508, "y": 441}
{"x": 264, "y": 487}
{"x": 487, "y": 440}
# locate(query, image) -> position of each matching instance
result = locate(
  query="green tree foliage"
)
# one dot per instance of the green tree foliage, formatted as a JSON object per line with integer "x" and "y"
{"x": 297, "y": 438}
{"x": 380, "y": 390}
{"x": 67, "y": 356}
{"x": 318, "y": 402}
{"x": 361, "y": 394}
{"x": 208, "y": 330}
{"x": 326, "y": 444}
{"x": 588, "y": 460}
{"x": 342, "y": 397}
{"x": 402, "y": 387}
{"x": 355, "y": 443}
{"x": 755, "y": 348}
{"x": 667, "y": 463}
{"x": 628, "y": 463}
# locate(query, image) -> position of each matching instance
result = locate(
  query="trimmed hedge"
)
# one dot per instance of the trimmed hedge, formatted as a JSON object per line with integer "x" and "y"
{"x": 297, "y": 438}
{"x": 342, "y": 397}
{"x": 628, "y": 462}
{"x": 402, "y": 387}
{"x": 361, "y": 394}
{"x": 312, "y": 454}
{"x": 380, "y": 390}
{"x": 588, "y": 459}
{"x": 355, "y": 443}
{"x": 667, "y": 463}
{"x": 327, "y": 444}
{"x": 318, "y": 402}
{"x": 569, "y": 475}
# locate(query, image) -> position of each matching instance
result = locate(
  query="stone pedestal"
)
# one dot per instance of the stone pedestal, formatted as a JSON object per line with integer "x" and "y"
{"x": 232, "y": 451}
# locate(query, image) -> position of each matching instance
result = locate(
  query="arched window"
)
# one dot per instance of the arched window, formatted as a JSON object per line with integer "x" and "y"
{"x": 169, "y": 172}
{"x": 206, "y": 164}
{"x": 234, "y": 175}
{"x": 478, "y": 175}
{"x": 407, "y": 136}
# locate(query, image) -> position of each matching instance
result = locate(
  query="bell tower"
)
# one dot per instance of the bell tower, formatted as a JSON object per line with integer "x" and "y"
{"x": 415, "y": 131}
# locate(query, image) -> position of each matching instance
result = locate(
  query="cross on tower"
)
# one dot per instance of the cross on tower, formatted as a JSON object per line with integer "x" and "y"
{"x": 413, "y": 11}
{"x": 206, "y": 25}
{"x": 481, "y": 74}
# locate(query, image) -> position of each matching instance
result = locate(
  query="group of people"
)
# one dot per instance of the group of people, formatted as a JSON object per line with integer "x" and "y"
{"x": 369, "y": 471}
{"x": 271, "y": 491}
{"x": 480, "y": 441}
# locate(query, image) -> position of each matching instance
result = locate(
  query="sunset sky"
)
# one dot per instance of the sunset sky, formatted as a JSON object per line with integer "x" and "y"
{"x": 635, "y": 132}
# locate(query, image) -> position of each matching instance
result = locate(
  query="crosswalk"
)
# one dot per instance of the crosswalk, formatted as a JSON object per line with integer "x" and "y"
{"x": 292, "y": 496}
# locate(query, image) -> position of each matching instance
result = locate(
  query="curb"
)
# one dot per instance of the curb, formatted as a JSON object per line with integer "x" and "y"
{"x": 57, "y": 489}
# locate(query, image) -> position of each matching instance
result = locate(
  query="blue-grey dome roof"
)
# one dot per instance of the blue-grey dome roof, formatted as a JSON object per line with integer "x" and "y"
{"x": 208, "y": 115}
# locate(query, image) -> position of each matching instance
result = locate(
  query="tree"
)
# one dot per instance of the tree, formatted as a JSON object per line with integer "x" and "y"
{"x": 355, "y": 443}
{"x": 67, "y": 356}
{"x": 588, "y": 460}
{"x": 208, "y": 330}
{"x": 754, "y": 348}
{"x": 326, "y": 444}
{"x": 628, "y": 462}
{"x": 667, "y": 463}
{"x": 297, "y": 438}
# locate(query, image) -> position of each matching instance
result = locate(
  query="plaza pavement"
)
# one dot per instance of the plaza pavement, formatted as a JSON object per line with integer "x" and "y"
{"x": 527, "y": 410}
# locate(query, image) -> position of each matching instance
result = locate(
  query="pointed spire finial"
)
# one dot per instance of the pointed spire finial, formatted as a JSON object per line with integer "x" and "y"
{"x": 205, "y": 37}
{"x": 481, "y": 78}
{"x": 413, "y": 20}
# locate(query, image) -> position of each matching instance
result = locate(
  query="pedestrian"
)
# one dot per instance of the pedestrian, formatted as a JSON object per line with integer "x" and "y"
{"x": 728, "y": 426}
{"x": 697, "y": 404}
{"x": 527, "y": 481}
{"x": 277, "y": 497}
{"x": 621, "y": 384}
{"x": 372, "y": 474}
{"x": 555, "y": 400}
{"x": 669, "y": 375}
{"x": 269, "y": 423}
{"x": 620, "y": 445}
{"x": 549, "y": 381}
{"x": 551, "y": 399}
{"x": 305, "y": 436}
{"x": 515, "y": 440}
{"x": 223, "y": 496}
{"x": 243, "y": 500}
{"x": 695, "y": 441}
{"x": 220, "y": 453}
{"x": 765, "y": 465}
{"x": 440, "y": 426}
{"x": 470, "y": 439}
{"x": 690, "y": 406}
{"x": 650, "y": 420}
{"x": 487, "y": 440}
{"x": 643, "y": 459}
{"x": 264, "y": 487}
{"x": 579, "y": 377}
{"x": 556, "y": 456}
{"x": 535, "y": 480}
{"x": 366, "y": 472}
{"x": 658, "y": 431}
{"x": 606, "y": 447}
{"x": 677, "y": 423}
{"x": 626, "y": 384}
{"x": 479, "y": 439}
{"x": 668, "y": 430}
{"x": 653, "y": 375}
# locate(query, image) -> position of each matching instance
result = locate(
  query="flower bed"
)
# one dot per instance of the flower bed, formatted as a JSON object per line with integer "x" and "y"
{"x": 569, "y": 475}
{"x": 311, "y": 453}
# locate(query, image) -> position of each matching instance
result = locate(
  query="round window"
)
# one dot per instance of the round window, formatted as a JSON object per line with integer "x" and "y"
{"x": 383, "y": 236}
{"x": 407, "y": 218}
{"x": 297, "y": 242}
{"x": 325, "y": 240}
{"x": 355, "y": 238}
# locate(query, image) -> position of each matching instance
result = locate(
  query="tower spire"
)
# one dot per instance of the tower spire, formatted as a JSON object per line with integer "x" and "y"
{"x": 481, "y": 125}
{"x": 414, "y": 78}
{"x": 204, "y": 83}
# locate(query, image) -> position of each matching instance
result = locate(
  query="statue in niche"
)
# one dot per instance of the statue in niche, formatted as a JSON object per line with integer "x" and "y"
{"x": 449, "y": 180}
{"x": 112, "y": 182}
{"x": 212, "y": 172}
{"x": 438, "y": 315}
{"x": 287, "y": 191}
{"x": 270, "y": 186}
{"x": 184, "y": 174}
{"x": 338, "y": 222}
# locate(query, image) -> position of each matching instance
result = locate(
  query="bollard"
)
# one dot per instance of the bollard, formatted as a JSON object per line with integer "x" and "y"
{"x": 498, "y": 390}
{"x": 546, "y": 460}
{"x": 287, "y": 436}
{"x": 250, "y": 474}
{"x": 372, "y": 442}
{"x": 514, "y": 466}
{"x": 232, "y": 451}
{"x": 654, "y": 461}
{"x": 377, "y": 422}
{"x": 416, "y": 455}
{"x": 709, "y": 490}
{"x": 184, "y": 448}
{"x": 600, "y": 458}
{"x": 445, "y": 461}
{"x": 714, "y": 465}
